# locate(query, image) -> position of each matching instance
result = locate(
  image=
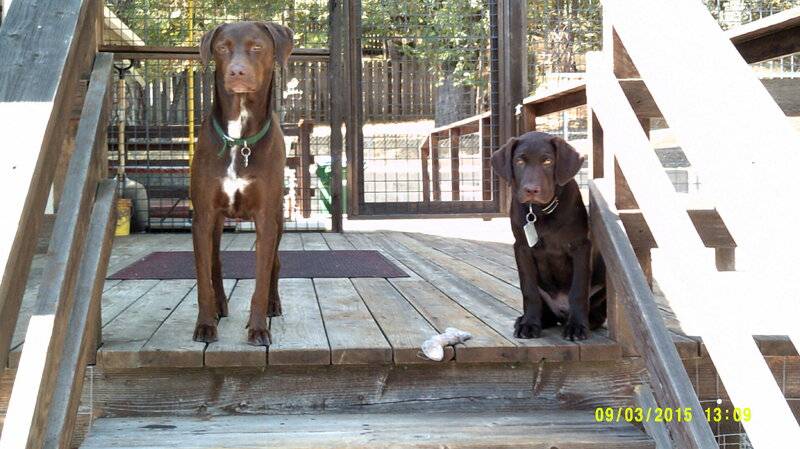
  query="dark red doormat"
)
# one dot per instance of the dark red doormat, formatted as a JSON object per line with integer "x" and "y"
{"x": 241, "y": 265}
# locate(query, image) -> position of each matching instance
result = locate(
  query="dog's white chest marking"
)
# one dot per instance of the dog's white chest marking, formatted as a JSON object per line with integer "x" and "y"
{"x": 232, "y": 182}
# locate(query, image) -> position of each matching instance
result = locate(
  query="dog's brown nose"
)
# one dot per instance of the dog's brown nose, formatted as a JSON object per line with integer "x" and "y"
{"x": 237, "y": 70}
{"x": 532, "y": 189}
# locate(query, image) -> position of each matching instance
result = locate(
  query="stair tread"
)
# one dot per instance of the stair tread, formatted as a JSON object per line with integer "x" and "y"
{"x": 528, "y": 429}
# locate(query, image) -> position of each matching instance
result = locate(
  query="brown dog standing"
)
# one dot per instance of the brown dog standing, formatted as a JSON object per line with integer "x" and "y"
{"x": 561, "y": 278}
{"x": 237, "y": 171}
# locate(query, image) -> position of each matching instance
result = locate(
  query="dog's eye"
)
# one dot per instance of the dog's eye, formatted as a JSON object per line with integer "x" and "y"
{"x": 547, "y": 161}
{"x": 222, "y": 49}
{"x": 519, "y": 162}
{"x": 255, "y": 48}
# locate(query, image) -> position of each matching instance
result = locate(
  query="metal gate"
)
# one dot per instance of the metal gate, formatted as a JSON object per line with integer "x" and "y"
{"x": 426, "y": 88}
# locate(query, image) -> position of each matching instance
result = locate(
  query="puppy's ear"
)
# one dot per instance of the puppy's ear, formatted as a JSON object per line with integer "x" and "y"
{"x": 501, "y": 159}
{"x": 206, "y": 52}
{"x": 568, "y": 161}
{"x": 283, "y": 38}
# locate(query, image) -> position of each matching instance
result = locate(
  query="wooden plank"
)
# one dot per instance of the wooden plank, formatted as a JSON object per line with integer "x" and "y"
{"x": 353, "y": 335}
{"x": 80, "y": 342}
{"x": 652, "y": 339}
{"x": 241, "y": 241}
{"x": 707, "y": 222}
{"x": 171, "y": 345}
{"x": 37, "y": 92}
{"x": 435, "y": 171}
{"x": 232, "y": 348}
{"x": 313, "y": 241}
{"x": 123, "y": 295}
{"x": 657, "y": 430}
{"x": 125, "y": 336}
{"x": 290, "y": 241}
{"x": 442, "y": 312}
{"x": 707, "y": 120}
{"x": 364, "y": 240}
{"x": 298, "y": 336}
{"x": 337, "y": 241}
{"x": 513, "y": 430}
{"x": 41, "y": 362}
{"x": 424, "y": 157}
{"x": 773, "y": 36}
{"x": 402, "y": 325}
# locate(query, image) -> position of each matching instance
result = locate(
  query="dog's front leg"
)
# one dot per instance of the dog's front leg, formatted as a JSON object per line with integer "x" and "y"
{"x": 578, "y": 322}
{"x": 202, "y": 239}
{"x": 266, "y": 240}
{"x": 529, "y": 325}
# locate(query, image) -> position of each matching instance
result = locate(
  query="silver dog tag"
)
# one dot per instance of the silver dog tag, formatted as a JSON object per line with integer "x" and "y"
{"x": 530, "y": 228}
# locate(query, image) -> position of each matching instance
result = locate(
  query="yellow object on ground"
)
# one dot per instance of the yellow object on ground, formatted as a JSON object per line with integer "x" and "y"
{"x": 124, "y": 209}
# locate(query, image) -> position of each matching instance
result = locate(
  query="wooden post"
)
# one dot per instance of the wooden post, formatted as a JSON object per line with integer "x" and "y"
{"x": 455, "y": 176}
{"x": 304, "y": 128}
{"x": 485, "y": 139}
{"x": 355, "y": 117}
{"x": 336, "y": 80}
{"x": 424, "y": 156}
{"x": 435, "y": 175}
{"x": 512, "y": 71}
{"x": 596, "y": 160}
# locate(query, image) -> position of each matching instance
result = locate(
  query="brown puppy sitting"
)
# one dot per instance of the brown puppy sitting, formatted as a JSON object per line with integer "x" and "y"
{"x": 237, "y": 171}
{"x": 562, "y": 279}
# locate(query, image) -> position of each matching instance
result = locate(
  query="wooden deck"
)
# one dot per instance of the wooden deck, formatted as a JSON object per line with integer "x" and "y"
{"x": 466, "y": 284}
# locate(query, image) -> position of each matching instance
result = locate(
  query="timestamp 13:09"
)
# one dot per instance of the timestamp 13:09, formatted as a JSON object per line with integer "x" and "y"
{"x": 659, "y": 414}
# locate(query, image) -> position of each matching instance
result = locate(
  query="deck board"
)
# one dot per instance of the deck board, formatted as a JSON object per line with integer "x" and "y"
{"x": 298, "y": 335}
{"x": 232, "y": 349}
{"x": 353, "y": 334}
{"x": 171, "y": 345}
{"x": 452, "y": 283}
{"x": 386, "y": 304}
{"x": 124, "y": 337}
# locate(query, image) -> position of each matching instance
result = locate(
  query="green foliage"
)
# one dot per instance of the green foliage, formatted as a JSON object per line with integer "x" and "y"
{"x": 451, "y": 36}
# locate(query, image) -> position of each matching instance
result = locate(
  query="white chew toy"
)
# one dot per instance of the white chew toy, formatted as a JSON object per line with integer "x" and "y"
{"x": 433, "y": 348}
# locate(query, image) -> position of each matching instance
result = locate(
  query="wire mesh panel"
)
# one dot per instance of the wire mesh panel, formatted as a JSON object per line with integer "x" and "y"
{"x": 166, "y": 94}
{"x": 425, "y": 83}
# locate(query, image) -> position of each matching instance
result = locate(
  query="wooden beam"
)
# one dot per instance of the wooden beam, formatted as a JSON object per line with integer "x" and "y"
{"x": 767, "y": 38}
{"x": 435, "y": 174}
{"x": 306, "y": 127}
{"x": 651, "y": 337}
{"x": 337, "y": 23}
{"x": 355, "y": 124}
{"x": 79, "y": 342}
{"x": 34, "y": 96}
{"x": 424, "y": 156}
{"x": 707, "y": 222}
{"x": 41, "y": 360}
{"x": 485, "y": 141}
{"x": 717, "y": 134}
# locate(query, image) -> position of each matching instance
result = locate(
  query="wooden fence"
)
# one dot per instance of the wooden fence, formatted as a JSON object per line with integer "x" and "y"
{"x": 401, "y": 89}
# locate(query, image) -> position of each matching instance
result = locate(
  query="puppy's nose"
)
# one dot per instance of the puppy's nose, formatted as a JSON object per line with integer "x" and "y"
{"x": 531, "y": 189}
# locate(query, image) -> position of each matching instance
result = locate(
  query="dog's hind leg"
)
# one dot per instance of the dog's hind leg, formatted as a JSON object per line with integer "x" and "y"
{"x": 216, "y": 269}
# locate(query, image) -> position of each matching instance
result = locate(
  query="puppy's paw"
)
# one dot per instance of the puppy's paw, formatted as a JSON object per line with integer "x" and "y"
{"x": 257, "y": 332}
{"x": 575, "y": 329}
{"x": 526, "y": 327}
{"x": 205, "y": 332}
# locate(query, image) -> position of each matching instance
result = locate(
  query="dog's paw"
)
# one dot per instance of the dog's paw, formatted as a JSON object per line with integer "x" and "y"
{"x": 526, "y": 327}
{"x": 205, "y": 332}
{"x": 274, "y": 308}
{"x": 257, "y": 332}
{"x": 576, "y": 330}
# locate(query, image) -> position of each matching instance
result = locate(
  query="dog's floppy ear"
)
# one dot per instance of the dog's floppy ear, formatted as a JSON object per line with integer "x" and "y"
{"x": 568, "y": 161}
{"x": 501, "y": 159}
{"x": 206, "y": 52}
{"x": 283, "y": 38}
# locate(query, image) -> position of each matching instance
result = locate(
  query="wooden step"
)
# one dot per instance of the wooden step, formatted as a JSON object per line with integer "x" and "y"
{"x": 489, "y": 429}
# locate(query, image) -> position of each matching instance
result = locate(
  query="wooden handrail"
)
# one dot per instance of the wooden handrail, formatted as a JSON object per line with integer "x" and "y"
{"x": 35, "y": 96}
{"x": 672, "y": 385}
{"x": 47, "y": 371}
